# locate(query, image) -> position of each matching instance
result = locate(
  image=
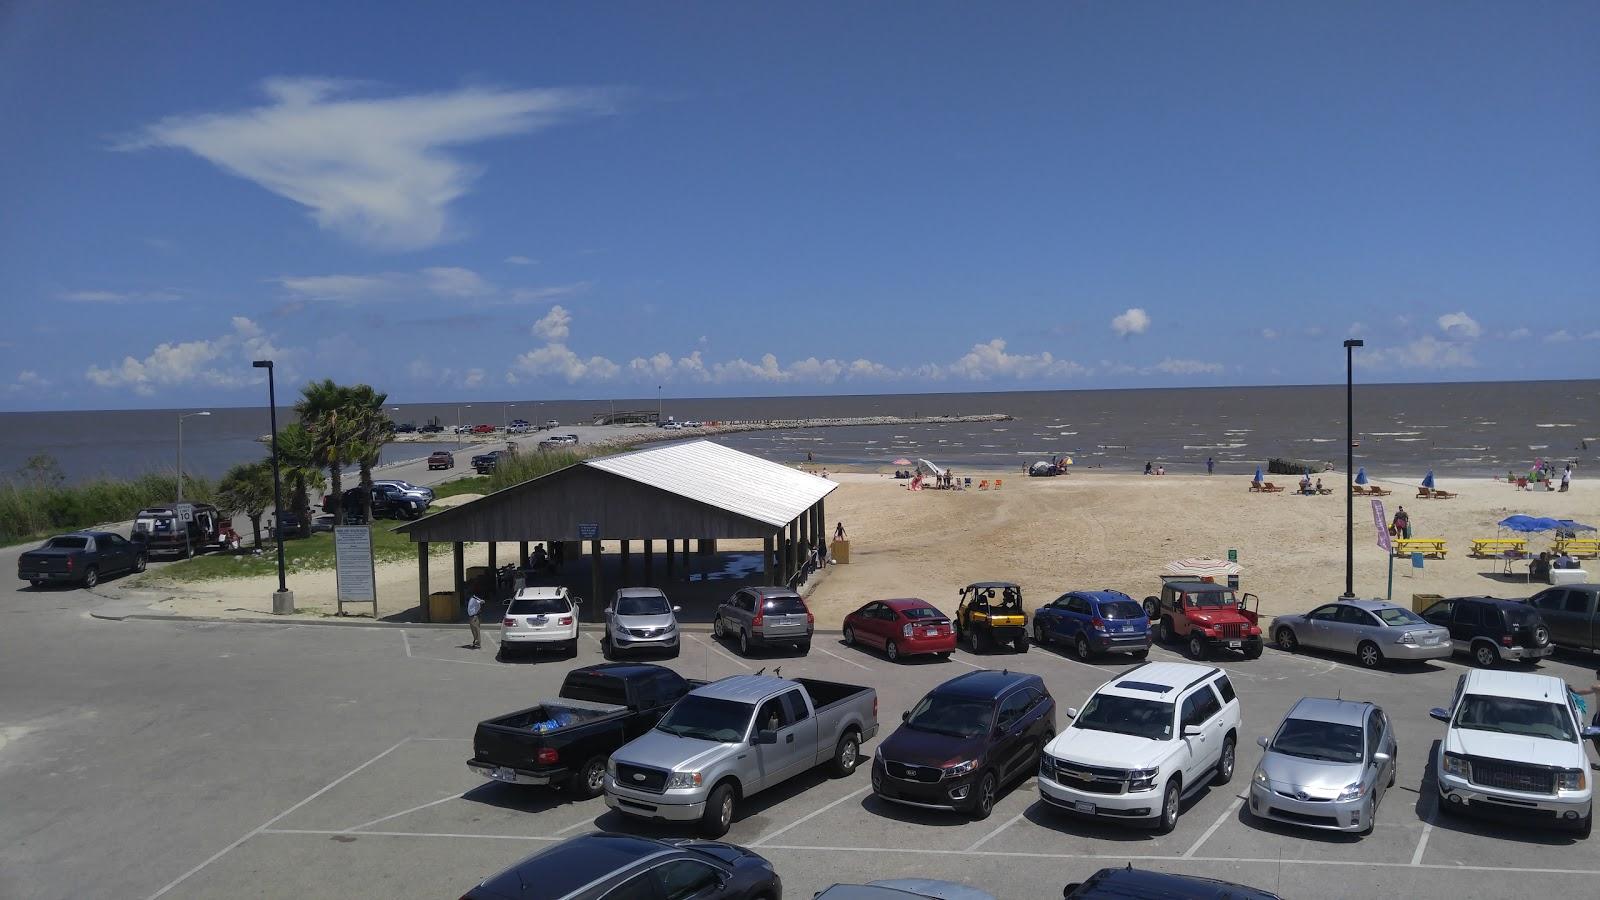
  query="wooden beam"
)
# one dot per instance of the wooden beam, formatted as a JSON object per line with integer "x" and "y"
{"x": 766, "y": 558}
{"x": 422, "y": 580}
{"x": 623, "y": 577}
{"x": 596, "y": 575}
{"x": 460, "y": 551}
{"x": 649, "y": 561}
{"x": 522, "y": 554}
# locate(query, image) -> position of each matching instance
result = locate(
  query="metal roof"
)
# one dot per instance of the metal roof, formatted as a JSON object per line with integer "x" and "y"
{"x": 710, "y": 473}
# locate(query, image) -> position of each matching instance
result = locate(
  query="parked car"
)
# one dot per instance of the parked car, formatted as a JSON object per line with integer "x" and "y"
{"x": 904, "y": 889}
{"x": 409, "y": 489}
{"x": 82, "y": 557}
{"x": 520, "y": 423}
{"x": 565, "y": 741}
{"x": 484, "y": 463}
{"x": 1094, "y": 623}
{"x": 989, "y": 615}
{"x": 640, "y": 619}
{"x": 1490, "y": 630}
{"x": 906, "y": 627}
{"x": 287, "y": 525}
{"x": 405, "y": 428}
{"x": 483, "y": 429}
{"x": 1328, "y": 766}
{"x": 965, "y": 741}
{"x": 538, "y": 617}
{"x": 727, "y": 741}
{"x": 763, "y": 616}
{"x": 1143, "y": 884}
{"x": 1514, "y": 750}
{"x": 551, "y": 423}
{"x": 1374, "y": 630}
{"x": 388, "y": 502}
{"x": 441, "y": 459}
{"x": 1206, "y": 617}
{"x": 1572, "y": 613}
{"x": 1145, "y": 740}
{"x": 672, "y": 426}
{"x": 431, "y": 429}
{"x": 182, "y": 529}
{"x": 624, "y": 867}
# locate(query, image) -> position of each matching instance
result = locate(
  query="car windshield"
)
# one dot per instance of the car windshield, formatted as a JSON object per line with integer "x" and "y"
{"x": 1148, "y": 719}
{"x": 1121, "y": 609}
{"x": 538, "y": 606}
{"x": 707, "y": 719}
{"x": 67, "y": 543}
{"x": 961, "y": 717}
{"x": 1213, "y": 598}
{"x": 922, "y": 612}
{"x": 643, "y": 606}
{"x": 784, "y": 606}
{"x": 1511, "y": 715}
{"x": 1325, "y": 741}
{"x": 1400, "y": 618}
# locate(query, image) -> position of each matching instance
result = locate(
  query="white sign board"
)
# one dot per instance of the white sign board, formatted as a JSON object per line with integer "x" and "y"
{"x": 353, "y": 566}
{"x": 185, "y": 514}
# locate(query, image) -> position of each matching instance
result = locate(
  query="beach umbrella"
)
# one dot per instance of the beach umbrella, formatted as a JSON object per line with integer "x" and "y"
{"x": 902, "y": 461}
{"x": 1530, "y": 524}
{"x": 1258, "y": 473}
{"x": 1427, "y": 480}
{"x": 1361, "y": 475}
{"x": 1202, "y": 567}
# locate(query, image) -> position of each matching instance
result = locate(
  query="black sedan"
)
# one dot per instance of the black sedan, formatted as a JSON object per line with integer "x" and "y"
{"x": 624, "y": 867}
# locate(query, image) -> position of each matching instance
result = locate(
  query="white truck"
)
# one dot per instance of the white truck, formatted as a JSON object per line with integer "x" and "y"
{"x": 1144, "y": 741}
{"x": 1514, "y": 750}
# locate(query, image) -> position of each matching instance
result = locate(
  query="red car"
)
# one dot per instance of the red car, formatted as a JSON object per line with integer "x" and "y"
{"x": 483, "y": 429}
{"x": 906, "y": 627}
{"x": 441, "y": 459}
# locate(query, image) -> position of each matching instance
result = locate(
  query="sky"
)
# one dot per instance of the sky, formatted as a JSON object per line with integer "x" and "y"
{"x": 511, "y": 200}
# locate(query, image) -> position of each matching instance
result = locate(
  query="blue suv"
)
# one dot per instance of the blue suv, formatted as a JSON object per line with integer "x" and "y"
{"x": 1094, "y": 622}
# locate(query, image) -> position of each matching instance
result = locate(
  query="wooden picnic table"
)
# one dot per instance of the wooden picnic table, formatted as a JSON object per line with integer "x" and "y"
{"x": 1434, "y": 547}
{"x": 1497, "y": 546}
{"x": 1581, "y": 547}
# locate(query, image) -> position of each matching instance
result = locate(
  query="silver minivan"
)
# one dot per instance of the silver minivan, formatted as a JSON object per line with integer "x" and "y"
{"x": 640, "y": 619}
{"x": 761, "y": 616}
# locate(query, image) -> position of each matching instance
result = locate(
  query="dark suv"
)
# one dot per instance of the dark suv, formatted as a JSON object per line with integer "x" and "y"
{"x": 388, "y": 501}
{"x": 617, "y": 866}
{"x": 1491, "y": 630}
{"x": 1573, "y": 613}
{"x": 1144, "y": 884}
{"x": 965, "y": 740}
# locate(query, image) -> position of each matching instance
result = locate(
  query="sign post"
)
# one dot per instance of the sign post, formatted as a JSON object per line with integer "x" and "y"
{"x": 354, "y": 574}
{"x": 1233, "y": 580}
{"x": 1380, "y": 519}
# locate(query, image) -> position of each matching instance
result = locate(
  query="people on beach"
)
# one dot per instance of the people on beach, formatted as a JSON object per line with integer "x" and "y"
{"x": 1593, "y": 690}
{"x": 1149, "y": 468}
{"x": 474, "y": 607}
{"x": 1539, "y": 569}
{"x": 1211, "y": 465}
{"x": 1564, "y": 561}
{"x": 1402, "y": 524}
{"x": 1566, "y": 478}
{"x": 838, "y": 532}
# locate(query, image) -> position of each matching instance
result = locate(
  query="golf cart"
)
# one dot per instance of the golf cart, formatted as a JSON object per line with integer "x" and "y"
{"x": 990, "y": 615}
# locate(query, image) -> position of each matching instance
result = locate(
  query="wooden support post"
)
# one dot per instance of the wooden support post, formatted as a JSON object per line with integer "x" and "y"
{"x": 596, "y": 561}
{"x": 460, "y": 551}
{"x": 708, "y": 547}
{"x": 494, "y": 578}
{"x": 522, "y": 554}
{"x": 766, "y": 557}
{"x": 670, "y": 543}
{"x": 650, "y": 561}
{"x": 422, "y": 580}
{"x": 623, "y": 577}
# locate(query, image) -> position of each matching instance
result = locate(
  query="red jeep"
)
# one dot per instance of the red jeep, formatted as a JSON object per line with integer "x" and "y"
{"x": 1207, "y": 617}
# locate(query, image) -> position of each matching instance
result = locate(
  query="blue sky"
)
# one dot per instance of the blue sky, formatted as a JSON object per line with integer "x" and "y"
{"x": 587, "y": 200}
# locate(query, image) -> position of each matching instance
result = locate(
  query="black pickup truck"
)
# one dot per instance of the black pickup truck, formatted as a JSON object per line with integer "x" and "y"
{"x": 565, "y": 742}
{"x": 81, "y": 557}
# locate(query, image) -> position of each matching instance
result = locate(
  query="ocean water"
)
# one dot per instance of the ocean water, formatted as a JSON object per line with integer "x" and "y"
{"x": 1476, "y": 429}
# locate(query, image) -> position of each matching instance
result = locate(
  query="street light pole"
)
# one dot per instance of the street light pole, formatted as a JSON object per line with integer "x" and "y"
{"x": 505, "y": 423}
{"x": 283, "y": 600}
{"x": 1349, "y": 468}
{"x": 458, "y": 424}
{"x": 658, "y": 404}
{"x": 181, "y": 417}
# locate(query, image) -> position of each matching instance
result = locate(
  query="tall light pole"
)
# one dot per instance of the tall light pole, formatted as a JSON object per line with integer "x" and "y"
{"x": 181, "y": 417}
{"x": 658, "y": 404}
{"x": 1350, "y": 468}
{"x": 458, "y": 424}
{"x": 283, "y": 600}
{"x": 505, "y": 423}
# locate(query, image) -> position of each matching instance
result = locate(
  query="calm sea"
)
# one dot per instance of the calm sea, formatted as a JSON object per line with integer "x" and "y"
{"x": 1404, "y": 430}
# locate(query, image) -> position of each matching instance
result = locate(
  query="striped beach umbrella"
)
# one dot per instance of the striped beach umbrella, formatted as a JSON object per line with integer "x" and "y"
{"x": 1361, "y": 475}
{"x": 902, "y": 461}
{"x": 1202, "y": 567}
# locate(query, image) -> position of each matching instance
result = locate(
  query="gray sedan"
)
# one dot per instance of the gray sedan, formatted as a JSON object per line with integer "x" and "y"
{"x": 1373, "y": 630}
{"x": 1328, "y": 766}
{"x": 640, "y": 619}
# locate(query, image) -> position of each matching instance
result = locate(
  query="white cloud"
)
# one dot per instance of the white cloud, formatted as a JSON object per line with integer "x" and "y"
{"x": 1426, "y": 352}
{"x": 555, "y": 326}
{"x": 1517, "y": 334}
{"x": 550, "y": 292}
{"x": 425, "y": 371}
{"x": 381, "y": 171}
{"x": 1134, "y": 321}
{"x": 522, "y": 261}
{"x": 1558, "y": 337}
{"x": 1592, "y": 336}
{"x": 119, "y": 296}
{"x": 338, "y": 287}
{"x": 1460, "y": 325}
{"x": 442, "y": 282}
{"x": 1172, "y": 366}
{"x": 222, "y": 362}
{"x": 990, "y": 360}
{"x": 452, "y": 281}
{"x": 1270, "y": 334}
{"x": 1355, "y": 329}
{"x": 28, "y": 380}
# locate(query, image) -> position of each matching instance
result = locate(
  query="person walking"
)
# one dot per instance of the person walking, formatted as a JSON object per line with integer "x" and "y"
{"x": 1566, "y": 478}
{"x": 474, "y": 607}
{"x": 1402, "y": 523}
{"x": 1211, "y": 465}
{"x": 1593, "y": 691}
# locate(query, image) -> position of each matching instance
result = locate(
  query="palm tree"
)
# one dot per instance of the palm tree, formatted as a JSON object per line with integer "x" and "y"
{"x": 247, "y": 488}
{"x": 301, "y": 471}
{"x": 322, "y": 410}
{"x": 370, "y": 428}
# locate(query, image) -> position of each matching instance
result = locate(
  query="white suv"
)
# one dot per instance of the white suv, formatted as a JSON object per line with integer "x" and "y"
{"x": 1144, "y": 741}
{"x": 540, "y": 617}
{"x": 1514, "y": 750}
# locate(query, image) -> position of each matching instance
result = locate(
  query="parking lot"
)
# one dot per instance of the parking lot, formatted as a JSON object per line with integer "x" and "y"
{"x": 329, "y": 761}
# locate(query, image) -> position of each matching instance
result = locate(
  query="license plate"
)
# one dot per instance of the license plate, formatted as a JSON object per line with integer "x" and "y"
{"x": 1234, "y": 645}
{"x": 503, "y": 774}
{"x": 931, "y": 632}
{"x": 538, "y": 620}
{"x": 1086, "y": 808}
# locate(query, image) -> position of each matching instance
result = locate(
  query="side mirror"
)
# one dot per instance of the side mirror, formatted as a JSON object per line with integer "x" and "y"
{"x": 608, "y": 610}
{"x": 1591, "y": 731}
{"x": 677, "y": 609}
{"x": 1262, "y": 742}
{"x": 1072, "y": 712}
{"x": 765, "y": 737}
{"x": 1380, "y": 757}
{"x": 905, "y": 716}
{"x": 1440, "y": 713}
{"x": 1192, "y": 731}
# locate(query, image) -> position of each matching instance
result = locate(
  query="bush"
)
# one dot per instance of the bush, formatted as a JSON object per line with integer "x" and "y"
{"x": 525, "y": 466}
{"x": 34, "y": 508}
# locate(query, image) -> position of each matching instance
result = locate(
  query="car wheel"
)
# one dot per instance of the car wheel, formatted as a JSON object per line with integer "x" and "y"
{"x": 607, "y": 650}
{"x": 1394, "y": 767}
{"x": 983, "y": 797}
{"x": 847, "y": 755}
{"x": 1142, "y": 654}
{"x": 1082, "y": 646}
{"x": 744, "y": 643}
{"x": 1021, "y": 643}
{"x": 892, "y": 650}
{"x": 91, "y": 577}
{"x": 139, "y": 562}
{"x": 1585, "y": 826}
{"x": 1369, "y": 815}
{"x": 718, "y": 817}
{"x": 572, "y": 648}
{"x": 1152, "y": 608}
{"x": 1197, "y": 646}
{"x": 1040, "y": 637}
{"x": 1225, "y": 764}
{"x": 1169, "y": 808}
{"x": 1286, "y": 641}
{"x": 590, "y": 781}
{"x": 35, "y": 582}
{"x": 1369, "y": 655}
{"x": 1164, "y": 632}
{"x": 1485, "y": 655}
{"x": 849, "y": 636}
{"x": 716, "y": 628}
{"x": 944, "y": 655}
{"x": 804, "y": 647}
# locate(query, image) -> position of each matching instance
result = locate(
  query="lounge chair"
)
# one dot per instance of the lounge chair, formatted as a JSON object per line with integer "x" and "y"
{"x": 1375, "y": 491}
{"x": 1360, "y": 490}
{"x": 983, "y": 485}
{"x": 1325, "y": 490}
{"x": 1270, "y": 488}
{"x": 1443, "y": 495}
{"x": 1255, "y": 486}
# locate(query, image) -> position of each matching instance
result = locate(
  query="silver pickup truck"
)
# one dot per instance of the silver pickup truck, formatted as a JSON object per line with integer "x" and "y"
{"x": 732, "y": 738}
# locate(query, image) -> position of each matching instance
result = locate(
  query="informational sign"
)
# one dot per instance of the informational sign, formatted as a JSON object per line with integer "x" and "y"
{"x": 1233, "y": 555}
{"x": 1233, "y": 582}
{"x": 354, "y": 574}
{"x": 1381, "y": 520}
{"x": 589, "y": 531}
{"x": 185, "y": 514}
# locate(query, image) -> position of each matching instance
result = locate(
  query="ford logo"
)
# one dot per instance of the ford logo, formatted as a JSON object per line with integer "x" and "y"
{"x": 638, "y": 776}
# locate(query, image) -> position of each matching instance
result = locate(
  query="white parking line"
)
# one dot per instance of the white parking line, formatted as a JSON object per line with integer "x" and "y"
{"x": 407, "y": 639}
{"x": 574, "y": 827}
{"x": 1422, "y": 844}
{"x": 275, "y": 819}
{"x": 407, "y": 812}
{"x": 725, "y": 654}
{"x": 956, "y": 659}
{"x": 843, "y": 660}
{"x": 811, "y": 815}
{"x": 985, "y": 839}
{"x": 1226, "y": 814}
{"x": 423, "y": 834}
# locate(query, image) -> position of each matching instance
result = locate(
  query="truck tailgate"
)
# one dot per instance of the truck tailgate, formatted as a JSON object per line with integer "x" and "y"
{"x": 514, "y": 740}
{"x": 35, "y": 561}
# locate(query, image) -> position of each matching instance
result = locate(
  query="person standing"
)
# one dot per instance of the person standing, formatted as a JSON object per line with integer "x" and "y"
{"x": 1211, "y": 465}
{"x": 1402, "y": 523}
{"x": 1592, "y": 690}
{"x": 474, "y": 608}
{"x": 838, "y": 532}
{"x": 1566, "y": 478}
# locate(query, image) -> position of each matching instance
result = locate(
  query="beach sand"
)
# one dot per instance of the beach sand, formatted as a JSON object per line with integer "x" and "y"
{"x": 1080, "y": 531}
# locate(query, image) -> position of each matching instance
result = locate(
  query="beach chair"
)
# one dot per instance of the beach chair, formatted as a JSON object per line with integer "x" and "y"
{"x": 983, "y": 485}
{"x": 1325, "y": 490}
{"x": 1360, "y": 490}
{"x": 966, "y": 484}
{"x": 1375, "y": 491}
{"x": 997, "y": 484}
{"x": 1443, "y": 495}
{"x": 1255, "y": 487}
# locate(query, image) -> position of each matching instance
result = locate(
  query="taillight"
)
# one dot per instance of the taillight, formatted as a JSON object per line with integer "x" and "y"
{"x": 756, "y": 622}
{"x": 547, "y": 756}
{"x": 564, "y": 620}
{"x": 812, "y": 620}
{"x": 1507, "y": 640}
{"x": 1098, "y": 623}
{"x": 905, "y": 630}
{"x": 69, "y": 564}
{"x": 509, "y": 622}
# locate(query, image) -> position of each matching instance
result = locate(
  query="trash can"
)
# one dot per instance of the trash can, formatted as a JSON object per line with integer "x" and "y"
{"x": 840, "y": 551}
{"x": 443, "y": 607}
{"x": 1420, "y": 602}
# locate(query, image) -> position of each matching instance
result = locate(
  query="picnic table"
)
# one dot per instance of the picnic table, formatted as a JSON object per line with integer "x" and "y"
{"x": 1498, "y": 546}
{"x": 1581, "y": 547}
{"x": 1434, "y": 547}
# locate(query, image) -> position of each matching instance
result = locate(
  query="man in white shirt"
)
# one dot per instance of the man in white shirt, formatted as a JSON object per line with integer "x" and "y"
{"x": 474, "y": 607}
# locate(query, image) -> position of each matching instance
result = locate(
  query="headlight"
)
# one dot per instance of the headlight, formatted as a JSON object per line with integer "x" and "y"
{"x": 683, "y": 780}
{"x": 1142, "y": 779}
{"x": 611, "y": 767}
{"x": 1571, "y": 780}
{"x": 1260, "y": 777}
{"x": 1457, "y": 766}
{"x": 960, "y": 768}
{"x": 1353, "y": 791}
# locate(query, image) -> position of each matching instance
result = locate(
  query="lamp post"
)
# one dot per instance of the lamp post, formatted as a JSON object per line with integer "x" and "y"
{"x": 458, "y": 424}
{"x": 505, "y": 423}
{"x": 1350, "y": 468}
{"x": 658, "y": 404}
{"x": 181, "y": 417}
{"x": 283, "y": 599}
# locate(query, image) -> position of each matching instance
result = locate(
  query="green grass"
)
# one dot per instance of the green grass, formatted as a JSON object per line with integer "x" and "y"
{"x": 34, "y": 509}
{"x": 315, "y": 552}
{"x": 525, "y": 466}
{"x": 472, "y": 484}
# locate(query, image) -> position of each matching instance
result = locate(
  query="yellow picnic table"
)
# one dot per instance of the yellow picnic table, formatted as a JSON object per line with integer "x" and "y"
{"x": 1426, "y": 546}
{"x": 1587, "y": 547}
{"x": 1496, "y": 546}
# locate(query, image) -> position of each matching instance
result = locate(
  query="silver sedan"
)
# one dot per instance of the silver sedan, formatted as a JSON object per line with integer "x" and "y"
{"x": 1373, "y": 630}
{"x": 1328, "y": 766}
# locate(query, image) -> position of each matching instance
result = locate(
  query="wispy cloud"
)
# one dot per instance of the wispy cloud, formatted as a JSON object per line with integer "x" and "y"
{"x": 1133, "y": 321}
{"x": 1426, "y": 352}
{"x": 442, "y": 282}
{"x": 29, "y": 381}
{"x": 1460, "y": 325}
{"x": 1172, "y": 366}
{"x": 222, "y": 362}
{"x": 119, "y": 296}
{"x": 521, "y": 261}
{"x": 381, "y": 171}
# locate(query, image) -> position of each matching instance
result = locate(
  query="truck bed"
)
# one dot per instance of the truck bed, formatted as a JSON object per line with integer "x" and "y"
{"x": 555, "y": 714}
{"x": 826, "y": 693}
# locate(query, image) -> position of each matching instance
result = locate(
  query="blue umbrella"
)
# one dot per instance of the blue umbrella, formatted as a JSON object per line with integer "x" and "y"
{"x": 1258, "y": 473}
{"x": 1361, "y": 475}
{"x": 1570, "y": 525}
{"x": 1427, "y": 480}
{"x": 1529, "y": 524}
